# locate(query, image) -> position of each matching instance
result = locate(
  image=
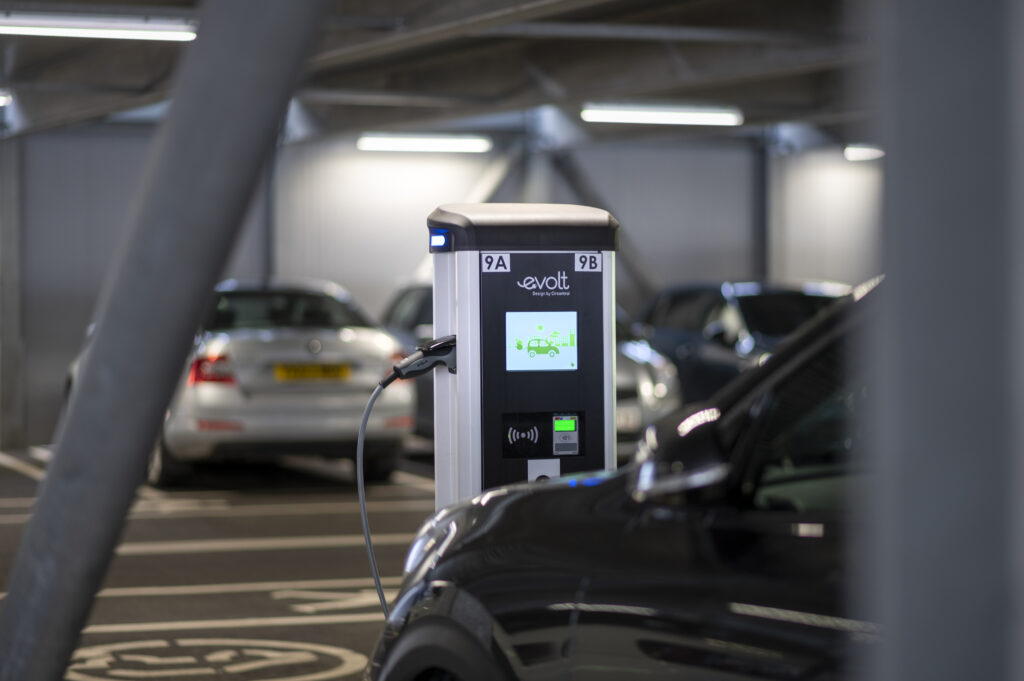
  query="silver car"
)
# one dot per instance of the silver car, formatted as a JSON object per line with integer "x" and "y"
{"x": 284, "y": 367}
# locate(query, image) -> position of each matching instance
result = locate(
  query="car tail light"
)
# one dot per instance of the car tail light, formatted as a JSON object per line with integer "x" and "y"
{"x": 214, "y": 369}
{"x": 399, "y": 422}
{"x": 218, "y": 425}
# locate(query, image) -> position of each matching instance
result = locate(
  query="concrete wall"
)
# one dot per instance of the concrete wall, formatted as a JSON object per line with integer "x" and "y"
{"x": 687, "y": 208}
{"x": 824, "y": 217}
{"x": 77, "y": 187}
{"x": 359, "y": 218}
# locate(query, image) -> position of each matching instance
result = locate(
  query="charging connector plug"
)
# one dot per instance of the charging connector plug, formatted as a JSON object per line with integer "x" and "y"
{"x": 427, "y": 356}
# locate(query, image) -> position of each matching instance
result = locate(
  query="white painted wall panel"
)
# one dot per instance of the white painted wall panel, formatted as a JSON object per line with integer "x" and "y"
{"x": 687, "y": 207}
{"x": 824, "y": 217}
{"x": 359, "y": 218}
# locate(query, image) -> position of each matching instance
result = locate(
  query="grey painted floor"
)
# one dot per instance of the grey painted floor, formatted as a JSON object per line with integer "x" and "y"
{"x": 256, "y": 573}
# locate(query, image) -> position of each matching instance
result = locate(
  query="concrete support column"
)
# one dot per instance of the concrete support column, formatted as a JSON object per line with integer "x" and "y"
{"x": 943, "y": 352}
{"x": 12, "y": 350}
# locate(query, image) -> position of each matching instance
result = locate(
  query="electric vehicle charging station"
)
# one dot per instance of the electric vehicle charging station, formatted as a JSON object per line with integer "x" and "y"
{"x": 528, "y": 290}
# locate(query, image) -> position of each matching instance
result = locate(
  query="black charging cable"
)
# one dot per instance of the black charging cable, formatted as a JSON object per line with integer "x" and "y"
{"x": 438, "y": 352}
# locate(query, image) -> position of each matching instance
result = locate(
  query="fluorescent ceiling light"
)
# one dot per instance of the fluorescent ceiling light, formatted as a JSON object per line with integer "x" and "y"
{"x": 862, "y": 152}
{"x": 460, "y": 144}
{"x": 110, "y": 27}
{"x": 5, "y": 97}
{"x": 661, "y": 114}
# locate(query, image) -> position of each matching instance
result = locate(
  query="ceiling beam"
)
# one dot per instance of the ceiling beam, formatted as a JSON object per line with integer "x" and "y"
{"x": 639, "y": 32}
{"x": 524, "y": 75}
{"x": 391, "y": 98}
{"x": 415, "y": 37}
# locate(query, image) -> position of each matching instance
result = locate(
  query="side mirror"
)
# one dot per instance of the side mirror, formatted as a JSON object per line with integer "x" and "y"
{"x": 680, "y": 455}
{"x": 715, "y": 332}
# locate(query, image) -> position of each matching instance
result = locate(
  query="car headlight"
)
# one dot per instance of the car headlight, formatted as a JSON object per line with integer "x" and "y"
{"x": 433, "y": 538}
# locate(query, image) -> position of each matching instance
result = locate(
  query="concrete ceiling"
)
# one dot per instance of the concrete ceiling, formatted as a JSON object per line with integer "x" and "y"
{"x": 419, "y": 64}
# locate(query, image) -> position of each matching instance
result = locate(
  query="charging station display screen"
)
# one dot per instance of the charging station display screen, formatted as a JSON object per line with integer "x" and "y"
{"x": 540, "y": 341}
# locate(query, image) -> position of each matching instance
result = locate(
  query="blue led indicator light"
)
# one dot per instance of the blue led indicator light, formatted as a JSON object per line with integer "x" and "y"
{"x": 437, "y": 240}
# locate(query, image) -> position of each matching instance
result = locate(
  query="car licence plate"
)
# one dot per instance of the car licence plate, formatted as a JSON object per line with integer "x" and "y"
{"x": 312, "y": 372}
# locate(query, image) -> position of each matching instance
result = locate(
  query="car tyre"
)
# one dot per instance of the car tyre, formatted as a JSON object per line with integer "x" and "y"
{"x": 164, "y": 470}
{"x": 532, "y": 353}
{"x": 379, "y": 462}
{"x": 552, "y": 353}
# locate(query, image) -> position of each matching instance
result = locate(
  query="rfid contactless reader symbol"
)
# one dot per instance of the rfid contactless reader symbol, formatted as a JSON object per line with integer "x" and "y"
{"x": 515, "y": 435}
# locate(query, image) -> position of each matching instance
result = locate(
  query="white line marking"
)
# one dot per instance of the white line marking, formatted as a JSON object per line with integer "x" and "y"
{"x": 23, "y": 467}
{"x": 415, "y": 481}
{"x": 244, "y": 623}
{"x": 327, "y": 508}
{"x": 246, "y": 587}
{"x": 17, "y": 502}
{"x": 240, "y": 587}
{"x": 174, "y": 509}
{"x": 41, "y": 454}
{"x": 163, "y": 548}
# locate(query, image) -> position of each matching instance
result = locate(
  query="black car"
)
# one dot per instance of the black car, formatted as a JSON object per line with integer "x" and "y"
{"x": 717, "y": 554}
{"x": 714, "y": 331}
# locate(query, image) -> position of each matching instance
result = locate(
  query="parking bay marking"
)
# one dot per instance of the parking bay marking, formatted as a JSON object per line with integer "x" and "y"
{"x": 240, "y": 587}
{"x": 167, "y": 509}
{"x": 18, "y": 466}
{"x": 163, "y": 548}
{"x": 240, "y": 623}
{"x": 331, "y": 600}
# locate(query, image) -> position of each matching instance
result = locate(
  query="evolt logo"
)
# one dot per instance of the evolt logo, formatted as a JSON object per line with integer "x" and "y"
{"x": 553, "y": 285}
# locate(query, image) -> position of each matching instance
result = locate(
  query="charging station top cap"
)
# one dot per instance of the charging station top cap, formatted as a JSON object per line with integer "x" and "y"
{"x": 522, "y": 227}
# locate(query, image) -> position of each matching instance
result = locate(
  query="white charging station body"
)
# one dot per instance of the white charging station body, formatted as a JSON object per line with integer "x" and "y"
{"x": 529, "y": 292}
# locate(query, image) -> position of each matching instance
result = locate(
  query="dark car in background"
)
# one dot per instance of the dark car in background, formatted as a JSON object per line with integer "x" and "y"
{"x": 714, "y": 331}
{"x": 717, "y": 554}
{"x": 646, "y": 386}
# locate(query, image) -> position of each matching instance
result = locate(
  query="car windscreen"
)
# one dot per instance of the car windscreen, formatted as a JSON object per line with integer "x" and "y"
{"x": 778, "y": 314}
{"x": 276, "y": 309}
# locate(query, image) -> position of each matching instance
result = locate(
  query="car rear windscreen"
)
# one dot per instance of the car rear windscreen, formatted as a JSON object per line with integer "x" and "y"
{"x": 276, "y": 309}
{"x": 777, "y": 314}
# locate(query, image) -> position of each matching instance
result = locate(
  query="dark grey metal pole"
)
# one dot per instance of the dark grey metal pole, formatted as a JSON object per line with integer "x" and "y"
{"x": 232, "y": 89}
{"x": 944, "y": 352}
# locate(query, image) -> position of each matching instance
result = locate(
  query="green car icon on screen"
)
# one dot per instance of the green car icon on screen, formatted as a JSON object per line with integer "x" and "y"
{"x": 542, "y": 346}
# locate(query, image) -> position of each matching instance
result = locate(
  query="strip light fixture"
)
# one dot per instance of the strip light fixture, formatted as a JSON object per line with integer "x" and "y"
{"x": 108, "y": 27}
{"x": 862, "y": 152}
{"x": 458, "y": 144}
{"x": 661, "y": 114}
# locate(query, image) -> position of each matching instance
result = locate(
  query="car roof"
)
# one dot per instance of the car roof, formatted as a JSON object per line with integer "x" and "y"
{"x": 826, "y": 323}
{"x": 738, "y": 289}
{"x": 286, "y": 283}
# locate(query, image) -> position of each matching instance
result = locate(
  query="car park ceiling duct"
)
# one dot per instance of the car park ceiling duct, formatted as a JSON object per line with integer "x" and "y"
{"x": 108, "y": 27}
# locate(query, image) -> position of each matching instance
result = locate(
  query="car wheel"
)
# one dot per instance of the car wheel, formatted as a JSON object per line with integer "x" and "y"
{"x": 532, "y": 353}
{"x": 164, "y": 470}
{"x": 552, "y": 353}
